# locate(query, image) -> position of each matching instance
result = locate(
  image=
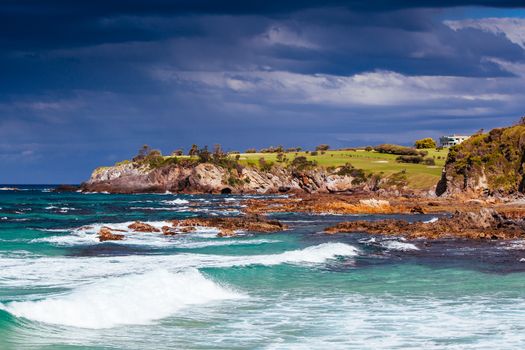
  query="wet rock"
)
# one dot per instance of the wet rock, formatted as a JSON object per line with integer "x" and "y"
{"x": 105, "y": 234}
{"x": 66, "y": 188}
{"x": 226, "y": 233}
{"x": 168, "y": 231}
{"x": 417, "y": 210}
{"x": 228, "y": 226}
{"x": 139, "y": 226}
{"x": 483, "y": 224}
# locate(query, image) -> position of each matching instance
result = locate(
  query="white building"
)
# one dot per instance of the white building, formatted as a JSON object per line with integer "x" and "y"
{"x": 452, "y": 140}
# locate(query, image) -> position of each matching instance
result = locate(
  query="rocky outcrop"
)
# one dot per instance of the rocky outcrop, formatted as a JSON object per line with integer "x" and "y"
{"x": 327, "y": 204}
{"x": 210, "y": 178}
{"x": 483, "y": 224}
{"x": 106, "y": 234}
{"x": 229, "y": 226}
{"x": 138, "y": 226}
{"x": 490, "y": 164}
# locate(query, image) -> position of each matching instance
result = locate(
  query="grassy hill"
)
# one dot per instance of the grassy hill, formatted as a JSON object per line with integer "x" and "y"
{"x": 420, "y": 176}
{"x": 492, "y": 162}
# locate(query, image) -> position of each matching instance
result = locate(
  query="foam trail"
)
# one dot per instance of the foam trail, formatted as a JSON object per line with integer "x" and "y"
{"x": 430, "y": 221}
{"x": 176, "y": 201}
{"x": 396, "y": 245}
{"x": 136, "y": 299}
{"x": 69, "y": 272}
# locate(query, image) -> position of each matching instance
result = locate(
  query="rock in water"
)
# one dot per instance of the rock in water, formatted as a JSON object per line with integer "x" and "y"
{"x": 142, "y": 227}
{"x": 483, "y": 224}
{"x": 105, "y": 234}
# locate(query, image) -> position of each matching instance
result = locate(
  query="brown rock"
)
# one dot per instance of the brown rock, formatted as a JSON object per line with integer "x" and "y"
{"x": 168, "y": 231}
{"x": 105, "y": 234}
{"x": 142, "y": 227}
{"x": 225, "y": 232}
{"x": 483, "y": 224}
{"x": 417, "y": 210}
{"x": 228, "y": 226}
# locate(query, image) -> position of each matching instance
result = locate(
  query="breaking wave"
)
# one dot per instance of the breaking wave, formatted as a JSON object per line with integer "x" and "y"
{"x": 136, "y": 299}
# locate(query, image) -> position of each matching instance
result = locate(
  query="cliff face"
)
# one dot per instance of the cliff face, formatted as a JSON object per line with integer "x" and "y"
{"x": 210, "y": 178}
{"x": 486, "y": 164}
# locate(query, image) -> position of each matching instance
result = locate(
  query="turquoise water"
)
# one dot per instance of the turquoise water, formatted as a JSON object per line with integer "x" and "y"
{"x": 62, "y": 289}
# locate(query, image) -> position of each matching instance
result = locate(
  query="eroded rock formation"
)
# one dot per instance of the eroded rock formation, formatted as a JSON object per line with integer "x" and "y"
{"x": 210, "y": 178}
{"x": 483, "y": 224}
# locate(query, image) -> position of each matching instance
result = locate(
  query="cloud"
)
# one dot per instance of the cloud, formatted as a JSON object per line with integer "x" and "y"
{"x": 512, "y": 28}
{"x": 87, "y": 83}
{"x": 374, "y": 89}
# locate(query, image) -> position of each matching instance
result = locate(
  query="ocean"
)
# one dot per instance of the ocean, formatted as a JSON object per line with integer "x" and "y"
{"x": 299, "y": 289}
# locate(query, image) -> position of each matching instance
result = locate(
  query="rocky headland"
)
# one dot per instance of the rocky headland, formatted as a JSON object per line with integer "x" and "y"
{"x": 480, "y": 192}
{"x": 134, "y": 177}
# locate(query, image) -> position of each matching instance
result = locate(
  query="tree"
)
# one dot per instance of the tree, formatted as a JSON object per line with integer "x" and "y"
{"x": 425, "y": 143}
{"x": 251, "y": 150}
{"x": 218, "y": 154}
{"x": 203, "y": 154}
{"x": 193, "y": 150}
{"x": 323, "y": 147}
{"x": 177, "y": 152}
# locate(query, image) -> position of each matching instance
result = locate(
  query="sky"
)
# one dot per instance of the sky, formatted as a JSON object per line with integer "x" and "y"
{"x": 85, "y": 84}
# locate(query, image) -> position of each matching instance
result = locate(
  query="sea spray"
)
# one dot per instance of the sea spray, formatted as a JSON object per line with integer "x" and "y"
{"x": 69, "y": 271}
{"x": 135, "y": 299}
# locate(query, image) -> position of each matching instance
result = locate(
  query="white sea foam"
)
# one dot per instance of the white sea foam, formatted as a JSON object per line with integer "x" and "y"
{"x": 89, "y": 235}
{"x": 53, "y": 229}
{"x": 396, "y": 245}
{"x": 177, "y": 201}
{"x": 71, "y": 271}
{"x": 135, "y": 299}
{"x": 159, "y": 208}
{"x": 223, "y": 242}
{"x": 434, "y": 219}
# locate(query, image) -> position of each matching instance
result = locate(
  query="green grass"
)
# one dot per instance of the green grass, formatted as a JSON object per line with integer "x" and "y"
{"x": 419, "y": 176}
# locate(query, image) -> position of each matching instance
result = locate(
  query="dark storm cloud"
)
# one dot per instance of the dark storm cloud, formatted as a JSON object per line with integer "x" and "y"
{"x": 86, "y": 83}
{"x": 59, "y": 23}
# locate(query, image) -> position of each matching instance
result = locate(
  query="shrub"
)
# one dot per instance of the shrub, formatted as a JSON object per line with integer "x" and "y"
{"x": 314, "y": 153}
{"x": 203, "y": 154}
{"x": 322, "y": 147}
{"x": 251, "y": 150}
{"x": 349, "y": 170}
{"x": 271, "y": 149}
{"x": 397, "y": 180}
{"x": 429, "y": 161}
{"x": 151, "y": 157}
{"x": 193, "y": 150}
{"x": 302, "y": 163}
{"x": 369, "y": 148}
{"x": 425, "y": 143}
{"x": 409, "y": 159}
{"x": 264, "y": 165}
{"x": 398, "y": 150}
{"x": 177, "y": 152}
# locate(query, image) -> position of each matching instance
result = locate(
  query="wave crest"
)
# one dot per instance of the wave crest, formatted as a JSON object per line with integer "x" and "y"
{"x": 136, "y": 299}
